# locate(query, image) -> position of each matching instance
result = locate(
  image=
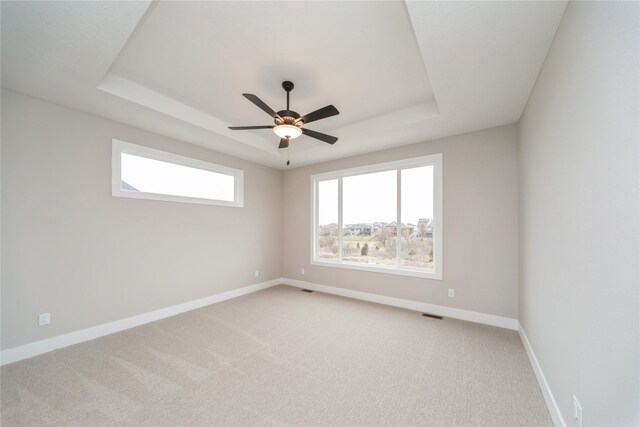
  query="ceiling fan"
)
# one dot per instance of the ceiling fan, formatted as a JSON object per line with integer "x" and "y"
{"x": 288, "y": 123}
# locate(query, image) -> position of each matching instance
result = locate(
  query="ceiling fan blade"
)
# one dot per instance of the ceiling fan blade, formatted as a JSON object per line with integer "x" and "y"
{"x": 260, "y": 104}
{"x": 322, "y": 113}
{"x": 284, "y": 143}
{"x": 321, "y": 136}
{"x": 250, "y": 127}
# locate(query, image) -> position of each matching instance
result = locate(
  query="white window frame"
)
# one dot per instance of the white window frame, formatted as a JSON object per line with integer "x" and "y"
{"x": 119, "y": 147}
{"x": 434, "y": 160}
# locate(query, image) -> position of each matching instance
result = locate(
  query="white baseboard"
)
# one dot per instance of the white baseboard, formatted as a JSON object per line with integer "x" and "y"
{"x": 44, "y": 346}
{"x": 440, "y": 310}
{"x": 556, "y": 415}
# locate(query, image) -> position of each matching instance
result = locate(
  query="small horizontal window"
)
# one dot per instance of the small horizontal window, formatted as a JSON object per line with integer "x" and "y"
{"x": 144, "y": 173}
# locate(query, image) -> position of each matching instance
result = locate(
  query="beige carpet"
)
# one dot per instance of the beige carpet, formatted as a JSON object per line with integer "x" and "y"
{"x": 282, "y": 356}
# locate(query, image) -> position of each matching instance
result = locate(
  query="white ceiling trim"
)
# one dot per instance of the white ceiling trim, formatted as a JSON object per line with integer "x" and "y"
{"x": 126, "y": 89}
{"x": 392, "y": 120}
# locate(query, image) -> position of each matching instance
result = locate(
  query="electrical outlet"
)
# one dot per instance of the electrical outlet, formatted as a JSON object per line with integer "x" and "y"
{"x": 257, "y": 273}
{"x": 452, "y": 293}
{"x": 44, "y": 319}
{"x": 302, "y": 271}
{"x": 577, "y": 412}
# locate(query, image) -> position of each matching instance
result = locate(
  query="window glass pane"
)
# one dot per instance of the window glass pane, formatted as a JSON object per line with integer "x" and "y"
{"x": 328, "y": 219}
{"x": 369, "y": 213}
{"x": 416, "y": 247}
{"x": 385, "y": 225}
{"x": 158, "y": 177}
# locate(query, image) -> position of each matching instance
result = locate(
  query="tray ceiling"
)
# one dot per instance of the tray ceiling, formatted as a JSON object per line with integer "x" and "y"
{"x": 398, "y": 72}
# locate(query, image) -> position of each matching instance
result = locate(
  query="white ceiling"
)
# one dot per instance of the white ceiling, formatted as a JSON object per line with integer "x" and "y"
{"x": 398, "y": 72}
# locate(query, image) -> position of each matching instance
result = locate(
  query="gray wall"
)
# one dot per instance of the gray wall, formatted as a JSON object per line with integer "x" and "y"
{"x": 480, "y": 225}
{"x": 70, "y": 248}
{"x": 579, "y": 250}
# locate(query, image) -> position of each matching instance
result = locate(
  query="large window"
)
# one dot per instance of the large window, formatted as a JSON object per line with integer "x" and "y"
{"x": 385, "y": 217}
{"x": 144, "y": 173}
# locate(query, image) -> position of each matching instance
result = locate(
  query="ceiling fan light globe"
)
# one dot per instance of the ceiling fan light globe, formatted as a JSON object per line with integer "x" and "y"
{"x": 287, "y": 131}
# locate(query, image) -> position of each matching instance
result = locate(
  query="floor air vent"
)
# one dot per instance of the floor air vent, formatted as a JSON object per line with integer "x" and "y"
{"x": 307, "y": 290}
{"x": 434, "y": 316}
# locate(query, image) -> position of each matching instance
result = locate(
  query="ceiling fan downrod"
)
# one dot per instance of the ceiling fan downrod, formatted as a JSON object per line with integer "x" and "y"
{"x": 288, "y": 87}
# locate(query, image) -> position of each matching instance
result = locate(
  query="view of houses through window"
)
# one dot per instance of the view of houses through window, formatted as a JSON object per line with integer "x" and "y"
{"x": 381, "y": 223}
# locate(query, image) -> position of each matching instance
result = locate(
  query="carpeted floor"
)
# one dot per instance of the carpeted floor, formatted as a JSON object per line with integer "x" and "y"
{"x": 282, "y": 356}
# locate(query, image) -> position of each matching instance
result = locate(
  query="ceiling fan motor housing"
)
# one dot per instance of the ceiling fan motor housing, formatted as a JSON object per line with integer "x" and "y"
{"x": 287, "y": 117}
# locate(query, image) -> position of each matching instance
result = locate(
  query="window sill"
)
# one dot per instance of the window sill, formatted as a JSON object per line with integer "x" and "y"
{"x": 425, "y": 274}
{"x": 116, "y": 192}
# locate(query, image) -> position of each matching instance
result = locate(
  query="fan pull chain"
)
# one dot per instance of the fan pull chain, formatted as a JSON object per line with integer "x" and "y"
{"x": 288, "y": 148}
